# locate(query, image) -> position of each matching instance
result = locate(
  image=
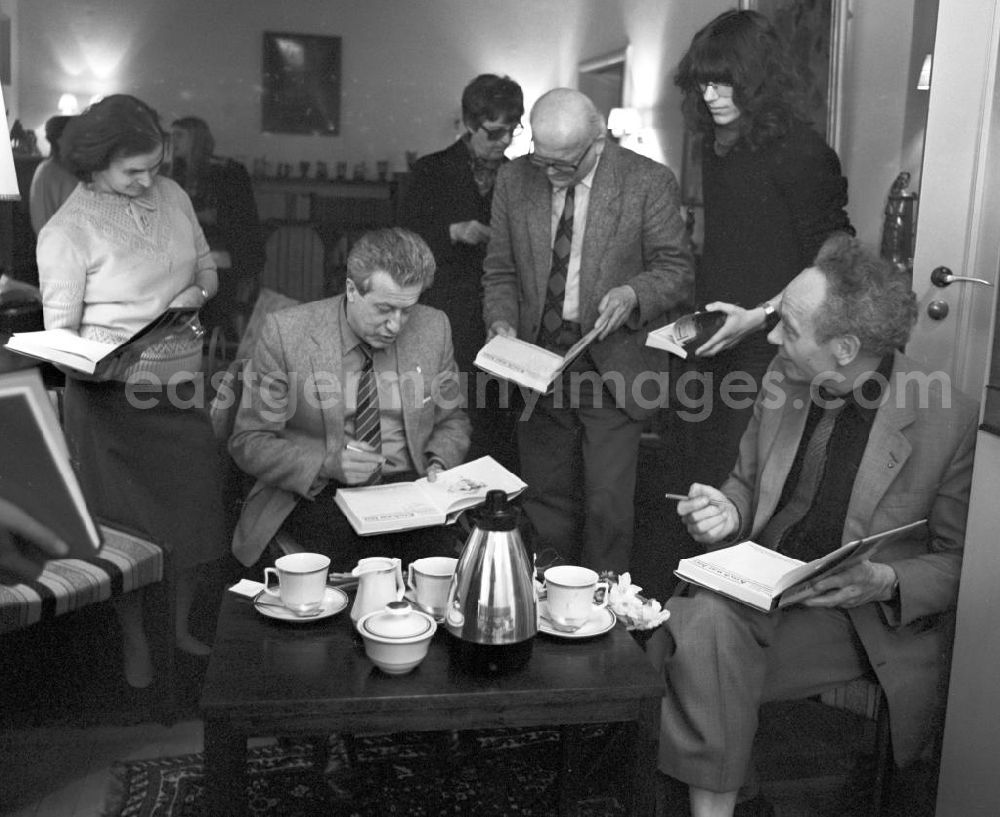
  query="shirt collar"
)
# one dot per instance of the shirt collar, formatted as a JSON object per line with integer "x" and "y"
{"x": 349, "y": 339}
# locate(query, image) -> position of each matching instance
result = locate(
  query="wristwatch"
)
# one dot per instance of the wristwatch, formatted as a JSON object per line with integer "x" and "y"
{"x": 769, "y": 310}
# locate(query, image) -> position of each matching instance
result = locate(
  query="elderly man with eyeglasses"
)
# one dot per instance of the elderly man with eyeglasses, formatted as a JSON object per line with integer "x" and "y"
{"x": 586, "y": 235}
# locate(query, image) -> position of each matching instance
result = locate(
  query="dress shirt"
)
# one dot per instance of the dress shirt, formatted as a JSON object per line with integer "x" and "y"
{"x": 581, "y": 201}
{"x": 397, "y": 455}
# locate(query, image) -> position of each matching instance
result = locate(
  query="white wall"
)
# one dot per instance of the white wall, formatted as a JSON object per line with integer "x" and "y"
{"x": 405, "y": 63}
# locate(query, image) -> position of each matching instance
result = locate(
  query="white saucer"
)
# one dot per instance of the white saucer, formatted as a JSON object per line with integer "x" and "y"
{"x": 334, "y": 600}
{"x": 601, "y": 621}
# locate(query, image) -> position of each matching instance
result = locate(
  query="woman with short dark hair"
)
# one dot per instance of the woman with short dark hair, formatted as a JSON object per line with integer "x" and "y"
{"x": 448, "y": 202}
{"x": 124, "y": 247}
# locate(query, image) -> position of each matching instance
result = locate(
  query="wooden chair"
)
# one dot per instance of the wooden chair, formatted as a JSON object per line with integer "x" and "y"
{"x": 865, "y": 696}
{"x": 295, "y": 264}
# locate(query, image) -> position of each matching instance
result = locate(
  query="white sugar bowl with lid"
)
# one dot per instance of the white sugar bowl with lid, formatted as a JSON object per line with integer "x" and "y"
{"x": 396, "y": 637}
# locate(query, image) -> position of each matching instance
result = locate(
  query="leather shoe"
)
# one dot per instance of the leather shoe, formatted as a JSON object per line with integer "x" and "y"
{"x": 758, "y": 806}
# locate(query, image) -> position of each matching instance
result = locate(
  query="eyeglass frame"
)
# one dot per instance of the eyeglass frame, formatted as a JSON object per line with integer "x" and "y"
{"x": 496, "y": 134}
{"x": 568, "y": 168}
{"x": 717, "y": 87}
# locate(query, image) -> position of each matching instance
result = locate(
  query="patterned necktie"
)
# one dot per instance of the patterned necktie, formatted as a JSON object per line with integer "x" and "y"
{"x": 552, "y": 316}
{"x": 367, "y": 426}
{"x": 813, "y": 465}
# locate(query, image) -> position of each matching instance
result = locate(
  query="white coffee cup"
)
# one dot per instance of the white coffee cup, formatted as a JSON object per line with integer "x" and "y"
{"x": 301, "y": 580}
{"x": 430, "y": 580}
{"x": 569, "y": 593}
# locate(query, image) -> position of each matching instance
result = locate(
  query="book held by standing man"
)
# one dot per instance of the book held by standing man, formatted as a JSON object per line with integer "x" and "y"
{"x": 525, "y": 363}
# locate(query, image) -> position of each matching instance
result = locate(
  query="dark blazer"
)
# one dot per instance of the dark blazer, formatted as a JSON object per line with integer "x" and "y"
{"x": 634, "y": 235}
{"x": 440, "y": 192}
{"x": 918, "y": 463}
{"x": 293, "y": 411}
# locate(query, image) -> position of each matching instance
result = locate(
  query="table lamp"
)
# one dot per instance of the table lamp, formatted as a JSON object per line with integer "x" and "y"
{"x": 8, "y": 176}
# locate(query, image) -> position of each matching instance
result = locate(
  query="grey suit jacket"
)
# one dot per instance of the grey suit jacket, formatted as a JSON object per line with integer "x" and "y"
{"x": 292, "y": 413}
{"x": 918, "y": 463}
{"x": 634, "y": 235}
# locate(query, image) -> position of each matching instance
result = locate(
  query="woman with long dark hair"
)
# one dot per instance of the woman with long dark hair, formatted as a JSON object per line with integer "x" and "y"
{"x": 773, "y": 192}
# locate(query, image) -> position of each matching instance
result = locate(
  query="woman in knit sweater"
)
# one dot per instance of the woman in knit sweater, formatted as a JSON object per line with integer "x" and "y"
{"x": 773, "y": 192}
{"x": 125, "y": 246}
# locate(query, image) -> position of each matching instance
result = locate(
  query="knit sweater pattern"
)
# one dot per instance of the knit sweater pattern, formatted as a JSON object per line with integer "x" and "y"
{"x": 109, "y": 264}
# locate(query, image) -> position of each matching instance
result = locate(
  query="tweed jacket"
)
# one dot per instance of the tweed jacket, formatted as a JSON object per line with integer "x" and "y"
{"x": 634, "y": 235}
{"x": 918, "y": 463}
{"x": 292, "y": 411}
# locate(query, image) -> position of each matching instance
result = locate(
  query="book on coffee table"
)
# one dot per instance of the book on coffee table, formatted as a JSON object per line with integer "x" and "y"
{"x": 765, "y": 579}
{"x": 400, "y": 506}
{"x": 525, "y": 363}
{"x": 92, "y": 356}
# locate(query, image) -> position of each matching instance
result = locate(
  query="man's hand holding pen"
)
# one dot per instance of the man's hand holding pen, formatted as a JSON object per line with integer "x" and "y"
{"x": 707, "y": 513}
{"x": 360, "y": 462}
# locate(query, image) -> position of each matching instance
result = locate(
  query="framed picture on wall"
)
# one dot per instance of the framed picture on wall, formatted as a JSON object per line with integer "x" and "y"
{"x": 301, "y": 84}
{"x": 816, "y": 33}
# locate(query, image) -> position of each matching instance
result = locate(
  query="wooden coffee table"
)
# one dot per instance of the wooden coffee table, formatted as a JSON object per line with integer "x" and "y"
{"x": 272, "y": 678}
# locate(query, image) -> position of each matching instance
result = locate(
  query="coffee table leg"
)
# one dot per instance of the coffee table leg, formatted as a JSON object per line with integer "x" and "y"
{"x": 647, "y": 744}
{"x": 225, "y": 770}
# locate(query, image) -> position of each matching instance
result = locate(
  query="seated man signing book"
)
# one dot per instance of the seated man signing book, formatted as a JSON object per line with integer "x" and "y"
{"x": 848, "y": 438}
{"x": 352, "y": 390}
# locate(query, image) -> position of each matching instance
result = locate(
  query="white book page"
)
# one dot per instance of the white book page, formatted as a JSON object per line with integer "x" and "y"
{"x": 61, "y": 340}
{"x": 385, "y": 504}
{"x": 519, "y": 361}
{"x": 748, "y": 563}
{"x": 467, "y": 484}
{"x": 664, "y": 338}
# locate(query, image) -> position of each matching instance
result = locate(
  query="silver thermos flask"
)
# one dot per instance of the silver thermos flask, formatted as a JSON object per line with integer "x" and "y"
{"x": 491, "y": 604}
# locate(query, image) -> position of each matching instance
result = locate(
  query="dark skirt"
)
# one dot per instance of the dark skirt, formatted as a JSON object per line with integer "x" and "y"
{"x": 148, "y": 460}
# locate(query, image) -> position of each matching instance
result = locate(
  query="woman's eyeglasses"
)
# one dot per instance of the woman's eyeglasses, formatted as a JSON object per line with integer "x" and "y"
{"x": 723, "y": 89}
{"x": 496, "y": 134}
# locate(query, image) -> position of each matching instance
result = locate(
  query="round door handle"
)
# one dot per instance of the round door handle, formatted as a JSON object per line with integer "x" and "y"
{"x": 937, "y": 310}
{"x": 942, "y": 277}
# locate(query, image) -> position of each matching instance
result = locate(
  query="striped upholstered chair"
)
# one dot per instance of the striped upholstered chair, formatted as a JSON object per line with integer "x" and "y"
{"x": 125, "y": 563}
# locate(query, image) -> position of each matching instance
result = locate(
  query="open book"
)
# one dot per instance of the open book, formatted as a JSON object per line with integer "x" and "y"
{"x": 764, "y": 578}
{"x": 687, "y": 332}
{"x": 408, "y": 505}
{"x": 91, "y": 356}
{"x": 525, "y": 363}
{"x": 37, "y": 482}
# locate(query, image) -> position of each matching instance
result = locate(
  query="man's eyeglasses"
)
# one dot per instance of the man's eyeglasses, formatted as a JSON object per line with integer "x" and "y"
{"x": 723, "y": 89}
{"x": 567, "y": 168}
{"x": 496, "y": 134}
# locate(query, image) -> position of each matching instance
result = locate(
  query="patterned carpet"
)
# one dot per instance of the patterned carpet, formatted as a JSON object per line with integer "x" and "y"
{"x": 489, "y": 773}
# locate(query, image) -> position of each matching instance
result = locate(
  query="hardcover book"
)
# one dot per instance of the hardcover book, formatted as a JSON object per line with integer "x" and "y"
{"x": 37, "y": 481}
{"x": 765, "y": 579}
{"x": 67, "y": 348}
{"x": 420, "y": 504}
{"x": 525, "y": 363}
{"x": 686, "y": 333}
